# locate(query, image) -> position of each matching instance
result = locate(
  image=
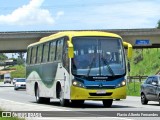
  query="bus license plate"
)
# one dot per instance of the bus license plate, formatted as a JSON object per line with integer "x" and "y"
{"x": 101, "y": 92}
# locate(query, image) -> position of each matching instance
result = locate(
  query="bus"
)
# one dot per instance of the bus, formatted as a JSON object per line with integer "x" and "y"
{"x": 74, "y": 66}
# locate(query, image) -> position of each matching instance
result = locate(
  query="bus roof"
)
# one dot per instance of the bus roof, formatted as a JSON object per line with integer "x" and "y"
{"x": 71, "y": 34}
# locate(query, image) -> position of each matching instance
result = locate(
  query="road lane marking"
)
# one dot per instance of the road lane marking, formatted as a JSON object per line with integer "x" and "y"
{"x": 31, "y": 106}
{"x": 18, "y": 106}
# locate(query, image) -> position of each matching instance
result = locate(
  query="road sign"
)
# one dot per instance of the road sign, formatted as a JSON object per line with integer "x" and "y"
{"x": 142, "y": 42}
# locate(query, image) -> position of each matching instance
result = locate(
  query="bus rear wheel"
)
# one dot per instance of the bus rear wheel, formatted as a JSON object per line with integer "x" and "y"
{"x": 107, "y": 103}
{"x": 41, "y": 99}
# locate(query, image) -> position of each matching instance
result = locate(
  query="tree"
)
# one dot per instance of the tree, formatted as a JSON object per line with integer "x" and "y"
{"x": 21, "y": 54}
{"x": 20, "y": 61}
{"x": 158, "y": 24}
{"x": 3, "y": 57}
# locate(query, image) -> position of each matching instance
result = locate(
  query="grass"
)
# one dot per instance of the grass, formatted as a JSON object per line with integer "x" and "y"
{"x": 133, "y": 89}
{"x": 20, "y": 71}
{"x": 9, "y": 118}
{"x": 149, "y": 65}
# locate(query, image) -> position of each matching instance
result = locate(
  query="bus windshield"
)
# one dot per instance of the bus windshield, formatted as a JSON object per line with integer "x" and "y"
{"x": 98, "y": 56}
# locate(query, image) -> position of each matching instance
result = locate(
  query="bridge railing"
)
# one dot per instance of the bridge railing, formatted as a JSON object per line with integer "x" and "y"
{"x": 134, "y": 84}
{"x": 136, "y": 78}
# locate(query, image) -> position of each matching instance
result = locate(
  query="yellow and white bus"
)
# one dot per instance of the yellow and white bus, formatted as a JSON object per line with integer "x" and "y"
{"x": 74, "y": 66}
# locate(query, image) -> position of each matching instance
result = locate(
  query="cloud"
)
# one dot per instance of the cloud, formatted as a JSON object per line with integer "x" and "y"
{"x": 60, "y": 13}
{"x": 136, "y": 14}
{"x": 118, "y": 15}
{"x": 30, "y": 14}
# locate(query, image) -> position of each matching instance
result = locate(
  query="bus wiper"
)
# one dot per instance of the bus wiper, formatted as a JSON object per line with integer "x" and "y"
{"x": 90, "y": 66}
{"x": 109, "y": 68}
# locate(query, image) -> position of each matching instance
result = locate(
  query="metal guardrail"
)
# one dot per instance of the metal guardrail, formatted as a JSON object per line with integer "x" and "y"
{"x": 139, "y": 78}
{"x": 133, "y": 84}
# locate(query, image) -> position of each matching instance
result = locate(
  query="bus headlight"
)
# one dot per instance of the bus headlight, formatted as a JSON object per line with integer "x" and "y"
{"x": 77, "y": 83}
{"x": 123, "y": 83}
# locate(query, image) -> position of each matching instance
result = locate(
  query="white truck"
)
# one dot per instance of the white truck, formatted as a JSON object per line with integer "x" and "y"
{"x": 7, "y": 78}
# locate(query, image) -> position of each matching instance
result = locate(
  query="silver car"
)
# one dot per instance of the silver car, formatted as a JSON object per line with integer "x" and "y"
{"x": 150, "y": 89}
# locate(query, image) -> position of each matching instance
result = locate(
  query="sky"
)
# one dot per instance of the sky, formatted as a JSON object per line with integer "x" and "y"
{"x": 37, "y": 15}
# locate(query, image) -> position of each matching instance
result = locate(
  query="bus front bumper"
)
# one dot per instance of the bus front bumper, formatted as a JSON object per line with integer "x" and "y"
{"x": 78, "y": 93}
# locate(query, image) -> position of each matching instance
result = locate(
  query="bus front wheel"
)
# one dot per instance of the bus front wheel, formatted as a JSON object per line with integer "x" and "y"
{"x": 107, "y": 103}
{"x": 63, "y": 102}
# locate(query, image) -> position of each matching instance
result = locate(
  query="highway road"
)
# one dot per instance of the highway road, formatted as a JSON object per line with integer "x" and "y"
{"x": 11, "y": 100}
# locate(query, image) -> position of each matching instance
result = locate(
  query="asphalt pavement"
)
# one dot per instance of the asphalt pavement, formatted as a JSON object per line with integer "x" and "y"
{"x": 130, "y": 108}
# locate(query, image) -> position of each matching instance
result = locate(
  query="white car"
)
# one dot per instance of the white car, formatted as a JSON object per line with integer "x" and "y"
{"x": 7, "y": 78}
{"x": 20, "y": 83}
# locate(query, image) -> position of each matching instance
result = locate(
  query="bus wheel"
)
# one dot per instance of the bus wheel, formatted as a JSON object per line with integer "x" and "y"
{"x": 107, "y": 103}
{"x": 63, "y": 102}
{"x": 38, "y": 99}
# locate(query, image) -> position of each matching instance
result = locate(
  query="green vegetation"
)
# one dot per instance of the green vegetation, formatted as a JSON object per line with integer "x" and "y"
{"x": 20, "y": 71}
{"x": 133, "y": 89}
{"x": 9, "y": 118}
{"x": 145, "y": 62}
{"x": 20, "y": 67}
{"x": 3, "y": 57}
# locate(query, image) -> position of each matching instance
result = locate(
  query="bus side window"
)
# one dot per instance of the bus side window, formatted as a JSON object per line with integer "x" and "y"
{"x": 65, "y": 56}
{"x": 45, "y": 52}
{"x": 36, "y": 54}
{"x": 29, "y": 56}
{"x": 52, "y": 51}
{"x": 33, "y": 59}
{"x": 39, "y": 54}
{"x": 59, "y": 49}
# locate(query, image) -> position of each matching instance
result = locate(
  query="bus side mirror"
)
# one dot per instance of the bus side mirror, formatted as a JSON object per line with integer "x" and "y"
{"x": 129, "y": 46}
{"x": 70, "y": 49}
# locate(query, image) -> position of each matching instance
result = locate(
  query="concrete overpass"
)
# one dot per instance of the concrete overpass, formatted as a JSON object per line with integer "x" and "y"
{"x": 18, "y": 41}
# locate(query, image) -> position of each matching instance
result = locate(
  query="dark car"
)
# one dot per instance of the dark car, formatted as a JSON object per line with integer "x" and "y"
{"x": 150, "y": 89}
